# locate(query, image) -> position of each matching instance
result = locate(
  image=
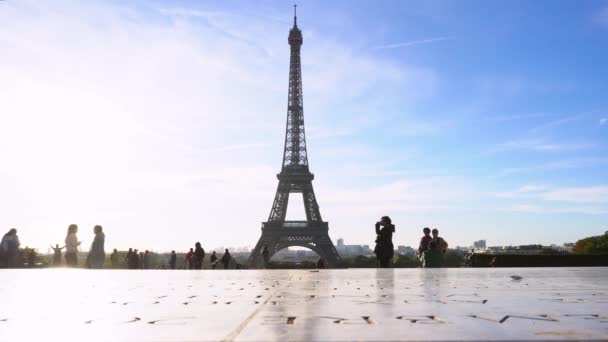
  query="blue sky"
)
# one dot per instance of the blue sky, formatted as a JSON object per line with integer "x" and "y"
{"x": 164, "y": 122}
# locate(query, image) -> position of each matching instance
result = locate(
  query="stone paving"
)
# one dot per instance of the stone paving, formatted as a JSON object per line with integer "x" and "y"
{"x": 304, "y": 305}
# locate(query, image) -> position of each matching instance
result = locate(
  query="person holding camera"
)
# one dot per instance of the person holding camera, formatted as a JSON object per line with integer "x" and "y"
{"x": 384, "y": 249}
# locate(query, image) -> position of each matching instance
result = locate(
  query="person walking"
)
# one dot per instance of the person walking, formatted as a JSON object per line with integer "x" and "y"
{"x": 57, "y": 255}
{"x": 172, "y": 260}
{"x": 432, "y": 257}
{"x": 424, "y": 241}
{"x": 114, "y": 258}
{"x": 266, "y": 256}
{"x": 199, "y": 256}
{"x": 71, "y": 246}
{"x": 226, "y": 259}
{"x": 384, "y": 249}
{"x": 213, "y": 260}
{"x": 97, "y": 253}
{"x": 442, "y": 245}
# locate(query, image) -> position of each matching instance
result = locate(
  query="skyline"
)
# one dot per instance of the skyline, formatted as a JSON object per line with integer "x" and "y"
{"x": 480, "y": 120}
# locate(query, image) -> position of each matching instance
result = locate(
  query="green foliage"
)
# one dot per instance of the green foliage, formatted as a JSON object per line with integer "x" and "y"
{"x": 592, "y": 245}
{"x": 406, "y": 261}
{"x": 453, "y": 259}
{"x": 359, "y": 261}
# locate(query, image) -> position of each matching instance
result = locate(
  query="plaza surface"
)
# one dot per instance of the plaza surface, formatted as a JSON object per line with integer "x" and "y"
{"x": 304, "y": 305}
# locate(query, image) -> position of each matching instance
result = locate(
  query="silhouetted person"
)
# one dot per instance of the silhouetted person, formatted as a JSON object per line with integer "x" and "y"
{"x": 266, "y": 256}
{"x": 213, "y": 260}
{"x": 425, "y": 240}
{"x": 9, "y": 248}
{"x": 129, "y": 257}
{"x": 442, "y": 245}
{"x": 146, "y": 260}
{"x": 97, "y": 253}
{"x": 57, "y": 254}
{"x": 141, "y": 260}
{"x": 172, "y": 260}
{"x": 190, "y": 259}
{"x": 114, "y": 258}
{"x": 432, "y": 257}
{"x": 320, "y": 263}
{"x": 384, "y": 249}
{"x": 71, "y": 246}
{"x": 133, "y": 260}
{"x": 199, "y": 256}
{"x": 226, "y": 259}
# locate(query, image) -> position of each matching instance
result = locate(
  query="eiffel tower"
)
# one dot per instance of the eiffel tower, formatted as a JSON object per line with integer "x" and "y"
{"x": 295, "y": 177}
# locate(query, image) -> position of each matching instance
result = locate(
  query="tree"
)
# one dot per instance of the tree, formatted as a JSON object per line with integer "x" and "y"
{"x": 453, "y": 259}
{"x": 592, "y": 245}
{"x": 406, "y": 261}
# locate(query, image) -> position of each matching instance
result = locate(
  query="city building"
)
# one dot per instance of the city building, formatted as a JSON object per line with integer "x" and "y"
{"x": 481, "y": 244}
{"x": 407, "y": 250}
{"x": 352, "y": 250}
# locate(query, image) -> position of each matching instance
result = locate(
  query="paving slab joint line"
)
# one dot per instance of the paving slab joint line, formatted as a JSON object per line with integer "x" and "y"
{"x": 235, "y": 333}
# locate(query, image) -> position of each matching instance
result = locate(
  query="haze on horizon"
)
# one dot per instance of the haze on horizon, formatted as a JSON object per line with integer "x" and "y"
{"x": 164, "y": 122}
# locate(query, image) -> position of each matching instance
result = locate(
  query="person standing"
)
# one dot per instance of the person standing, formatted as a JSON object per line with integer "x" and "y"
{"x": 226, "y": 259}
{"x": 425, "y": 240}
{"x": 71, "y": 246}
{"x": 9, "y": 248}
{"x": 442, "y": 245}
{"x": 189, "y": 259}
{"x": 266, "y": 256}
{"x": 143, "y": 260}
{"x": 384, "y": 249}
{"x": 172, "y": 260}
{"x": 57, "y": 255}
{"x": 213, "y": 260}
{"x": 432, "y": 257}
{"x": 133, "y": 259}
{"x": 97, "y": 253}
{"x": 199, "y": 256}
{"x": 129, "y": 257}
{"x": 114, "y": 258}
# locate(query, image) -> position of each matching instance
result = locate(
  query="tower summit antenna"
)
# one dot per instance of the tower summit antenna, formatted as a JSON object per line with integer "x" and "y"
{"x": 295, "y": 15}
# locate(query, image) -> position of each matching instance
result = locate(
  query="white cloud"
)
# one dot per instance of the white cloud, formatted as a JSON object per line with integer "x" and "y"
{"x": 592, "y": 194}
{"x": 411, "y": 43}
{"x": 541, "y": 199}
{"x": 539, "y": 145}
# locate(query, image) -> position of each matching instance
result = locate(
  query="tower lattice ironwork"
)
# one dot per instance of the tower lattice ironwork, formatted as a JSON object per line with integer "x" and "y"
{"x": 295, "y": 177}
